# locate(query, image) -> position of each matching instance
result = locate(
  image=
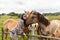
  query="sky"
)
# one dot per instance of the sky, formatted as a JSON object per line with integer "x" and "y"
{"x": 18, "y": 6}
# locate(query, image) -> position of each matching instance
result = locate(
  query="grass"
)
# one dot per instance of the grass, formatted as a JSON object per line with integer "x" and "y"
{"x": 3, "y": 18}
{"x": 54, "y": 17}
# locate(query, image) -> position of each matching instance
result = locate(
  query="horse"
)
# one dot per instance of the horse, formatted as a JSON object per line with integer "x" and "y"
{"x": 9, "y": 24}
{"x": 46, "y": 27}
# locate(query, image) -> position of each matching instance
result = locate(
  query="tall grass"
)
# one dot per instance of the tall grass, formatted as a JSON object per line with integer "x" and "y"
{"x": 3, "y": 18}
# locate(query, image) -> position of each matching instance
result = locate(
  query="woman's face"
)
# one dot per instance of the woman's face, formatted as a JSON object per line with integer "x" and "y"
{"x": 27, "y": 13}
{"x": 25, "y": 17}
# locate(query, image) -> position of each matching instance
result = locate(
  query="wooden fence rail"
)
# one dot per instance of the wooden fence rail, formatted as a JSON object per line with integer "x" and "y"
{"x": 30, "y": 35}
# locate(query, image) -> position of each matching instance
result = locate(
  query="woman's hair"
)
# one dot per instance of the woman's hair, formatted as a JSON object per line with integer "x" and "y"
{"x": 22, "y": 16}
{"x": 24, "y": 20}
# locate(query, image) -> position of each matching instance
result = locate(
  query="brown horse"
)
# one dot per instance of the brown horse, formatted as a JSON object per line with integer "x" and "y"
{"x": 9, "y": 24}
{"x": 46, "y": 27}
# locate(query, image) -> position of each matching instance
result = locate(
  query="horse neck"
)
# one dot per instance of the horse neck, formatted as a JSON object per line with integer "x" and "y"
{"x": 42, "y": 25}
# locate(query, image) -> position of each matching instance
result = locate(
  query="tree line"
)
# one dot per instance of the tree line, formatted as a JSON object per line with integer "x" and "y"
{"x": 19, "y": 14}
{"x": 11, "y": 14}
{"x": 51, "y": 14}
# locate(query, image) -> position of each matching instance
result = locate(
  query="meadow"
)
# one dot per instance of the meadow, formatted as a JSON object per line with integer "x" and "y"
{"x": 5, "y": 17}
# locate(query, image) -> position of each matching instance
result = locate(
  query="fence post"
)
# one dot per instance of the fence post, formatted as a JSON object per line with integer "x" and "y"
{"x": 2, "y": 34}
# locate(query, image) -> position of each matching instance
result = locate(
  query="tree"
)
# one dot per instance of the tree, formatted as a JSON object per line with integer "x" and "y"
{"x": 3, "y": 14}
{"x": 12, "y": 14}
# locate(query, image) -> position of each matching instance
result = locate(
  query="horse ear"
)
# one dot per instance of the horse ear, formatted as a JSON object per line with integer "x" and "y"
{"x": 28, "y": 12}
{"x": 43, "y": 20}
{"x": 24, "y": 11}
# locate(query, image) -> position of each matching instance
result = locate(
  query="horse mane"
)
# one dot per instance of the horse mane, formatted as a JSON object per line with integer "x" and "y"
{"x": 42, "y": 19}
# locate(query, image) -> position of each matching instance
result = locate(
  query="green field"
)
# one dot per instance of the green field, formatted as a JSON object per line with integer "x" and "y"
{"x": 3, "y": 18}
{"x": 54, "y": 17}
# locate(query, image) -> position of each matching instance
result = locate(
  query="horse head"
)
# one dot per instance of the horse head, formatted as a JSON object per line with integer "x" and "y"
{"x": 36, "y": 17}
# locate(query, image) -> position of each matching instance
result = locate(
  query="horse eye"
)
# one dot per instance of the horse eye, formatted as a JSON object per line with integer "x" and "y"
{"x": 32, "y": 17}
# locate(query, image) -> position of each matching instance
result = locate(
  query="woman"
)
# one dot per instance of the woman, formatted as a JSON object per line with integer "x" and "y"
{"x": 24, "y": 17}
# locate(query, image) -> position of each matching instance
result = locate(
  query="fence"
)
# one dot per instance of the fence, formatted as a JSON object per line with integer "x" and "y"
{"x": 31, "y": 35}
